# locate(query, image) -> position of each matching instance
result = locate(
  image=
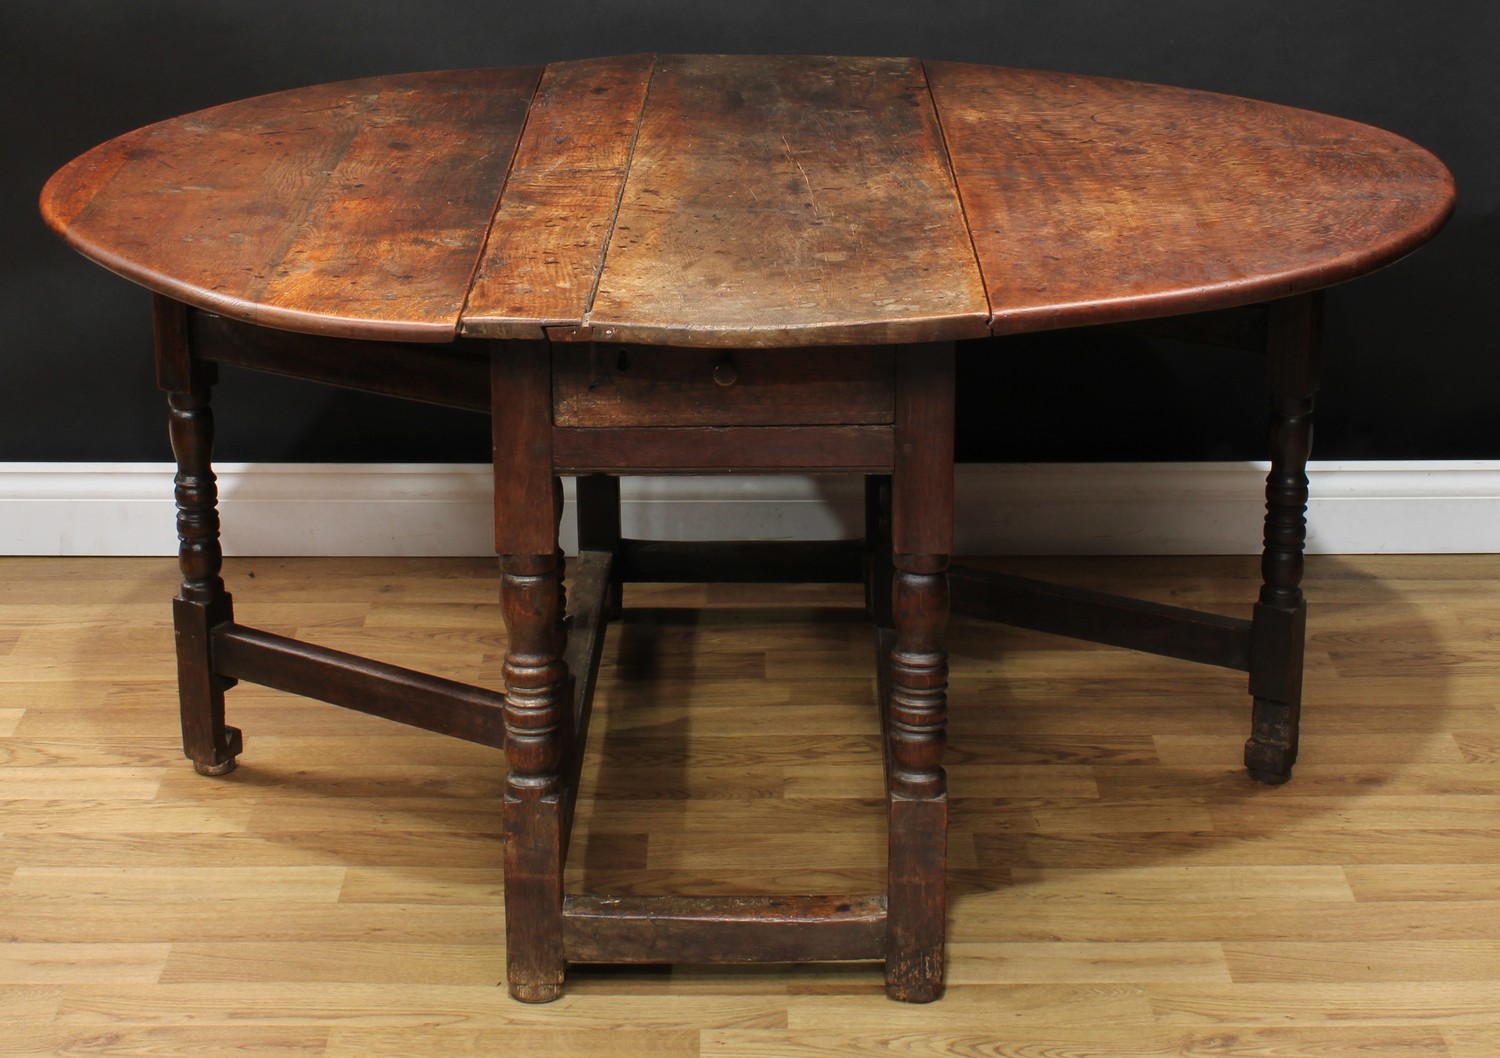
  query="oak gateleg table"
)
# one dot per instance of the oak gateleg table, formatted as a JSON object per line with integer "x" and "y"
{"x": 690, "y": 264}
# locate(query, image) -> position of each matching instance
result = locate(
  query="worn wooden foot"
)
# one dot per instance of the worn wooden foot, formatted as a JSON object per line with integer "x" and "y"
{"x": 211, "y": 744}
{"x": 214, "y": 770}
{"x": 1276, "y": 649}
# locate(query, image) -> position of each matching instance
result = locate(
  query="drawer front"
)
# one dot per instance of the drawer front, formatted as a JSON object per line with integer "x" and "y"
{"x": 600, "y": 385}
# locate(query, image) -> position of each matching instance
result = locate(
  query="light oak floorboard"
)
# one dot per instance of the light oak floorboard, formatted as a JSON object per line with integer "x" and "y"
{"x": 1118, "y": 888}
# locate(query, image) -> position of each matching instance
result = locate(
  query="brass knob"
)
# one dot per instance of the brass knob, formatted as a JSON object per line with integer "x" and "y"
{"x": 725, "y": 373}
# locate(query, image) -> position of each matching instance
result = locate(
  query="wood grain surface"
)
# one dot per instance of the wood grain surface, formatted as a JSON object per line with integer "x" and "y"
{"x": 788, "y": 201}
{"x": 355, "y": 209}
{"x": 547, "y": 242}
{"x": 739, "y": 201}
{"x": 1120, "y": 889}
{"x": 1093, "y": 200}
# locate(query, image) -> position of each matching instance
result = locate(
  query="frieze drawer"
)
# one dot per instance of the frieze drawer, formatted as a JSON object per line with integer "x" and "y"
{"x": 599, "y": 385}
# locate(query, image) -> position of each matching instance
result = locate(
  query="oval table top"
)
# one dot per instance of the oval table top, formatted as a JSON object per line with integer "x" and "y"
{"x": 741, "y": 201}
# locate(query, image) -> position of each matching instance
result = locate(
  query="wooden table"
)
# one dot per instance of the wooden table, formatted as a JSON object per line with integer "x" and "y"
{"x": 662, "y": 264}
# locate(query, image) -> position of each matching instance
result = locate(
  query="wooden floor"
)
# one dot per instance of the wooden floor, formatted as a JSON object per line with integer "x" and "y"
{"x": 1119, "y": 888}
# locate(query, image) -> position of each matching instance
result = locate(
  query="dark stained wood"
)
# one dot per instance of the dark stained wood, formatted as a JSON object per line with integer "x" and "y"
{"x": 725, "y": 929}
{"x": 914, "y": 694}
{"x": 202, "y": 604}
{"x": 521, "y": 425}
{"x": 199, "y": 554}
{"x": 597, "y": 497}
{"x": 1279, "y": 630}
{"x": 788, "y": 201}
{"x": 588, "y": 617}
{"x": 546, "y": 245}
{"x": 1093, "y": 200}
{"x": 916, "y": 888}
{"x": 1095, "y": 617}
{"x": 535, "y": 743}
{"x": 706, "y": 449}
{"x": 174, "y": 346}
{"x": 536, "y": 716}
{"x": 915, "y": 723}
{"x": 434, "y": 374}
{"x": 191, "y": 428}
{"x": 355, "y": 209}
{"x": 210, "y": 743}
{"x": 612, "y": 385}
{"x": 389, "y": 691}
{"x": 879, "y": 571}
{"x": 922, "y": 488}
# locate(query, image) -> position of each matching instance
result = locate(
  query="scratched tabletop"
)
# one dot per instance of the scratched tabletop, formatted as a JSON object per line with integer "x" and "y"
{"x": 746, "y": 201}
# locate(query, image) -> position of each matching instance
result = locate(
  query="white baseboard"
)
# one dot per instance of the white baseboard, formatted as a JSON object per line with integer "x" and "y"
{"x": 445, "y": 509}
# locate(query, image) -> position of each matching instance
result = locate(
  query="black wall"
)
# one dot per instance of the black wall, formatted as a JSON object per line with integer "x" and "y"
{"x": 1412, "y": 351}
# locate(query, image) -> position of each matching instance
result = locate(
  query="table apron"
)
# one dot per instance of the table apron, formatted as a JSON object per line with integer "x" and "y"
{"x": 716, "y": 449}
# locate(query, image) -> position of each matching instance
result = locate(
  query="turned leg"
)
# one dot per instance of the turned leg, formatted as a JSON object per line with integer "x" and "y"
{"x": 534, "y": 678}
{"x": 202, "y": 603}
{"x": 526, "y": 511}
{"x": 917, "y": 799}
{"x": 1279, "y": 624}
{"x": 921, "y": 534}
{"x": 911, "y": 669}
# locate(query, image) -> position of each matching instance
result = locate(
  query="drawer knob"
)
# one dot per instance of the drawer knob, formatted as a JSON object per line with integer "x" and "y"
{"x": 725, "y": 373}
